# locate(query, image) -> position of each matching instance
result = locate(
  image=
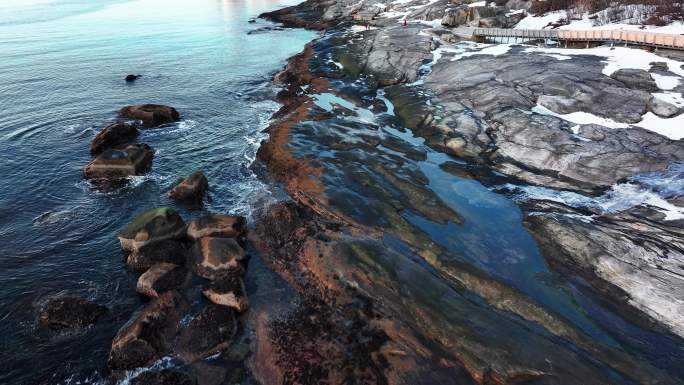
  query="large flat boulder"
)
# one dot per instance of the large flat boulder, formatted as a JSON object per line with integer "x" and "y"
{"x": 149, "y": 334}
{"x": 135, "y": 159}
{"x": 151, "y": 226}
{"x": 161, "y": 278}
{"x": 218, "y": 225}
{"x": 151, "y": 115}
{"x": 214, "y": 258}
{"x": 69, "y": 313}
{"x": 209, "y": 332}
{"x": 191, "y": 189}
{"x": 228, "y": 291}
{"x": 114, "y": 135}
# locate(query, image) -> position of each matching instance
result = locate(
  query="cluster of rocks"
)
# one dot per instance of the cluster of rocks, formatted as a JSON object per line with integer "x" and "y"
{"x": 167, "y": 252}
{"x": 116, "y": 157}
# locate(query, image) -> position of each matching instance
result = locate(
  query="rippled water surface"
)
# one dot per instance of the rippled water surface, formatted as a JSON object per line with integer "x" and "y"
{"x": 61, "y": 80}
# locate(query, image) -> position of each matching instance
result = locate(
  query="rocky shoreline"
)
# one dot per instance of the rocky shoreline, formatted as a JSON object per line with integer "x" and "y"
{"x": 361, "y": 242}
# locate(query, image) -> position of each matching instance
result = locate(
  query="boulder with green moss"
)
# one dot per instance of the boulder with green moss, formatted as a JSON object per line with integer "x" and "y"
{"x": 151, "y": 226}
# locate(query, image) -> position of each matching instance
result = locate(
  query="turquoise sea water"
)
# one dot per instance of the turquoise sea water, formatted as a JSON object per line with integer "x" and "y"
{"x": 61, "y": 80}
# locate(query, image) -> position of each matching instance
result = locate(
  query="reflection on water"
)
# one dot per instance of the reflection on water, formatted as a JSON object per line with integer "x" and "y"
{"x": 61, "y": 81}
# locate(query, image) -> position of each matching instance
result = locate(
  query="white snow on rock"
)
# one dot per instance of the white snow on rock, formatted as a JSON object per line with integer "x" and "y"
{"x": 618, "y": 58}
{"x": 674, "y": 98}
{"x": 478, "y": 4}
{"x": 673, "y": 128}
{"x": 580, "y": 117}
{"x": 666, "y": 82}
{"x": 539, "y": 22}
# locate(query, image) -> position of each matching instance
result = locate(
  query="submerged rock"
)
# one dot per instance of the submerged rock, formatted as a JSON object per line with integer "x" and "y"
{"x": 69, "y": 313}
{"x": 228, "y": 291}
{"x": 209, "y": 332}
{"x": 163, "y": 377}
{"x": 114, "y": 135}
{"x": 135, "y": 159}
{"x": 191, "y": 189}
{"x": 132, "y": 78}
{"x": 151, "y": 115}
{"x": 149, "y": 334}
{"x": 217, "y": 226}
{"x": 164, "y": 251}
{"x": 151, "y": 226}
{"x": 214, "y": 258}
{"x": 161, "y": 278}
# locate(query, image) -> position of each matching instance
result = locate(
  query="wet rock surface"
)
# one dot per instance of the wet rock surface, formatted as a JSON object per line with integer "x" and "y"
{"x": 191, "y": 189}
{"x": 151, "y": 115}
{"x": 403, "y": 273}
{"x": 153, "y": 225}
{"x": 114, "y": 135}
{"x": 146, "y": 336}
{"x": 214, "y": 258}
{"x": 161, "y": 278}
{"x": 163, "y": 377}
{"x": 164, "y": 251}
{"x": 69, "y": 313}
{"x": 210, "y": 331}
{"x": 218, "y": 225}
{"x": 135, "y": 159}
{"x": 228, "y": 291}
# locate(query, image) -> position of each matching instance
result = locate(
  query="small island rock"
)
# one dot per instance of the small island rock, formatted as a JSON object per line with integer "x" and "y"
{"x": 164, "y": 251}
{"x": 151, "y": 115}
{"x": 132, "y": 78}
{"x": 135, "y": 159}
{"x": 114, "y": 135}
{"x": 191, "y": 189}
{"x": 69, "y": 313}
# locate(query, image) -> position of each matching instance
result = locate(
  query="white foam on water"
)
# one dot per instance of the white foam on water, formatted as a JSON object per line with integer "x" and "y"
{"x": 650, "y": 190}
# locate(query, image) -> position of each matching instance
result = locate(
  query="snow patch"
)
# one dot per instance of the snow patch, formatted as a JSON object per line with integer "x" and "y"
{"x": 580, "y": 117}
{"x": 673, "y": 128}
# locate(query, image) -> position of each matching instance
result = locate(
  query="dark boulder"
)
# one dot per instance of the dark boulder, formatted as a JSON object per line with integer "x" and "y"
{"x": 114, "y": 135}
{"x": 218, "y": 226}
{"x": 161, "y": 278}
{"x": 635, "y": 79}
{"x": 191, "y": 189}
{"x": 135, "y": 159}
{"x": 228, "y": 291}
{"x": 69, "y": 313}
{"x": 132, "y": 78}
{"x": 151, "y": 115}
{"x": 151, "y": 226}
{"x": 214, "y": 258}
{"x": 149, "y": 334}
{"x": 209, "y": 332}
{"x": 163, "y": 377}
{"x": 164, "y": 251}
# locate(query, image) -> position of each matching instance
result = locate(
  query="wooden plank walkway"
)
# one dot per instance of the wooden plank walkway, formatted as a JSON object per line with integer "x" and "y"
{"x": 649, "y": 39}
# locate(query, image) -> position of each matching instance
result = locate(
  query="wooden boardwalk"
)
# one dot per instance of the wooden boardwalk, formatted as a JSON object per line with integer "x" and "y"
{"x": 647, "y": 39}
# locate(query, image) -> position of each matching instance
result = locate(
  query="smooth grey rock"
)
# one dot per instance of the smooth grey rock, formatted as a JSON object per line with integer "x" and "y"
{"x": 635, "y": 78}
{"x": 663, "y": 108}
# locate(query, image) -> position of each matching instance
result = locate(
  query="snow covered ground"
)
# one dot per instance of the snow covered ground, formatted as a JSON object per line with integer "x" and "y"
{"x": 542, "y": 22}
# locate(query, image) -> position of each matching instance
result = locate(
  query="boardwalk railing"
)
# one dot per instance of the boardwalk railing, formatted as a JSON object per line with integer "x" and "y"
{"x": 617, "y": 36}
